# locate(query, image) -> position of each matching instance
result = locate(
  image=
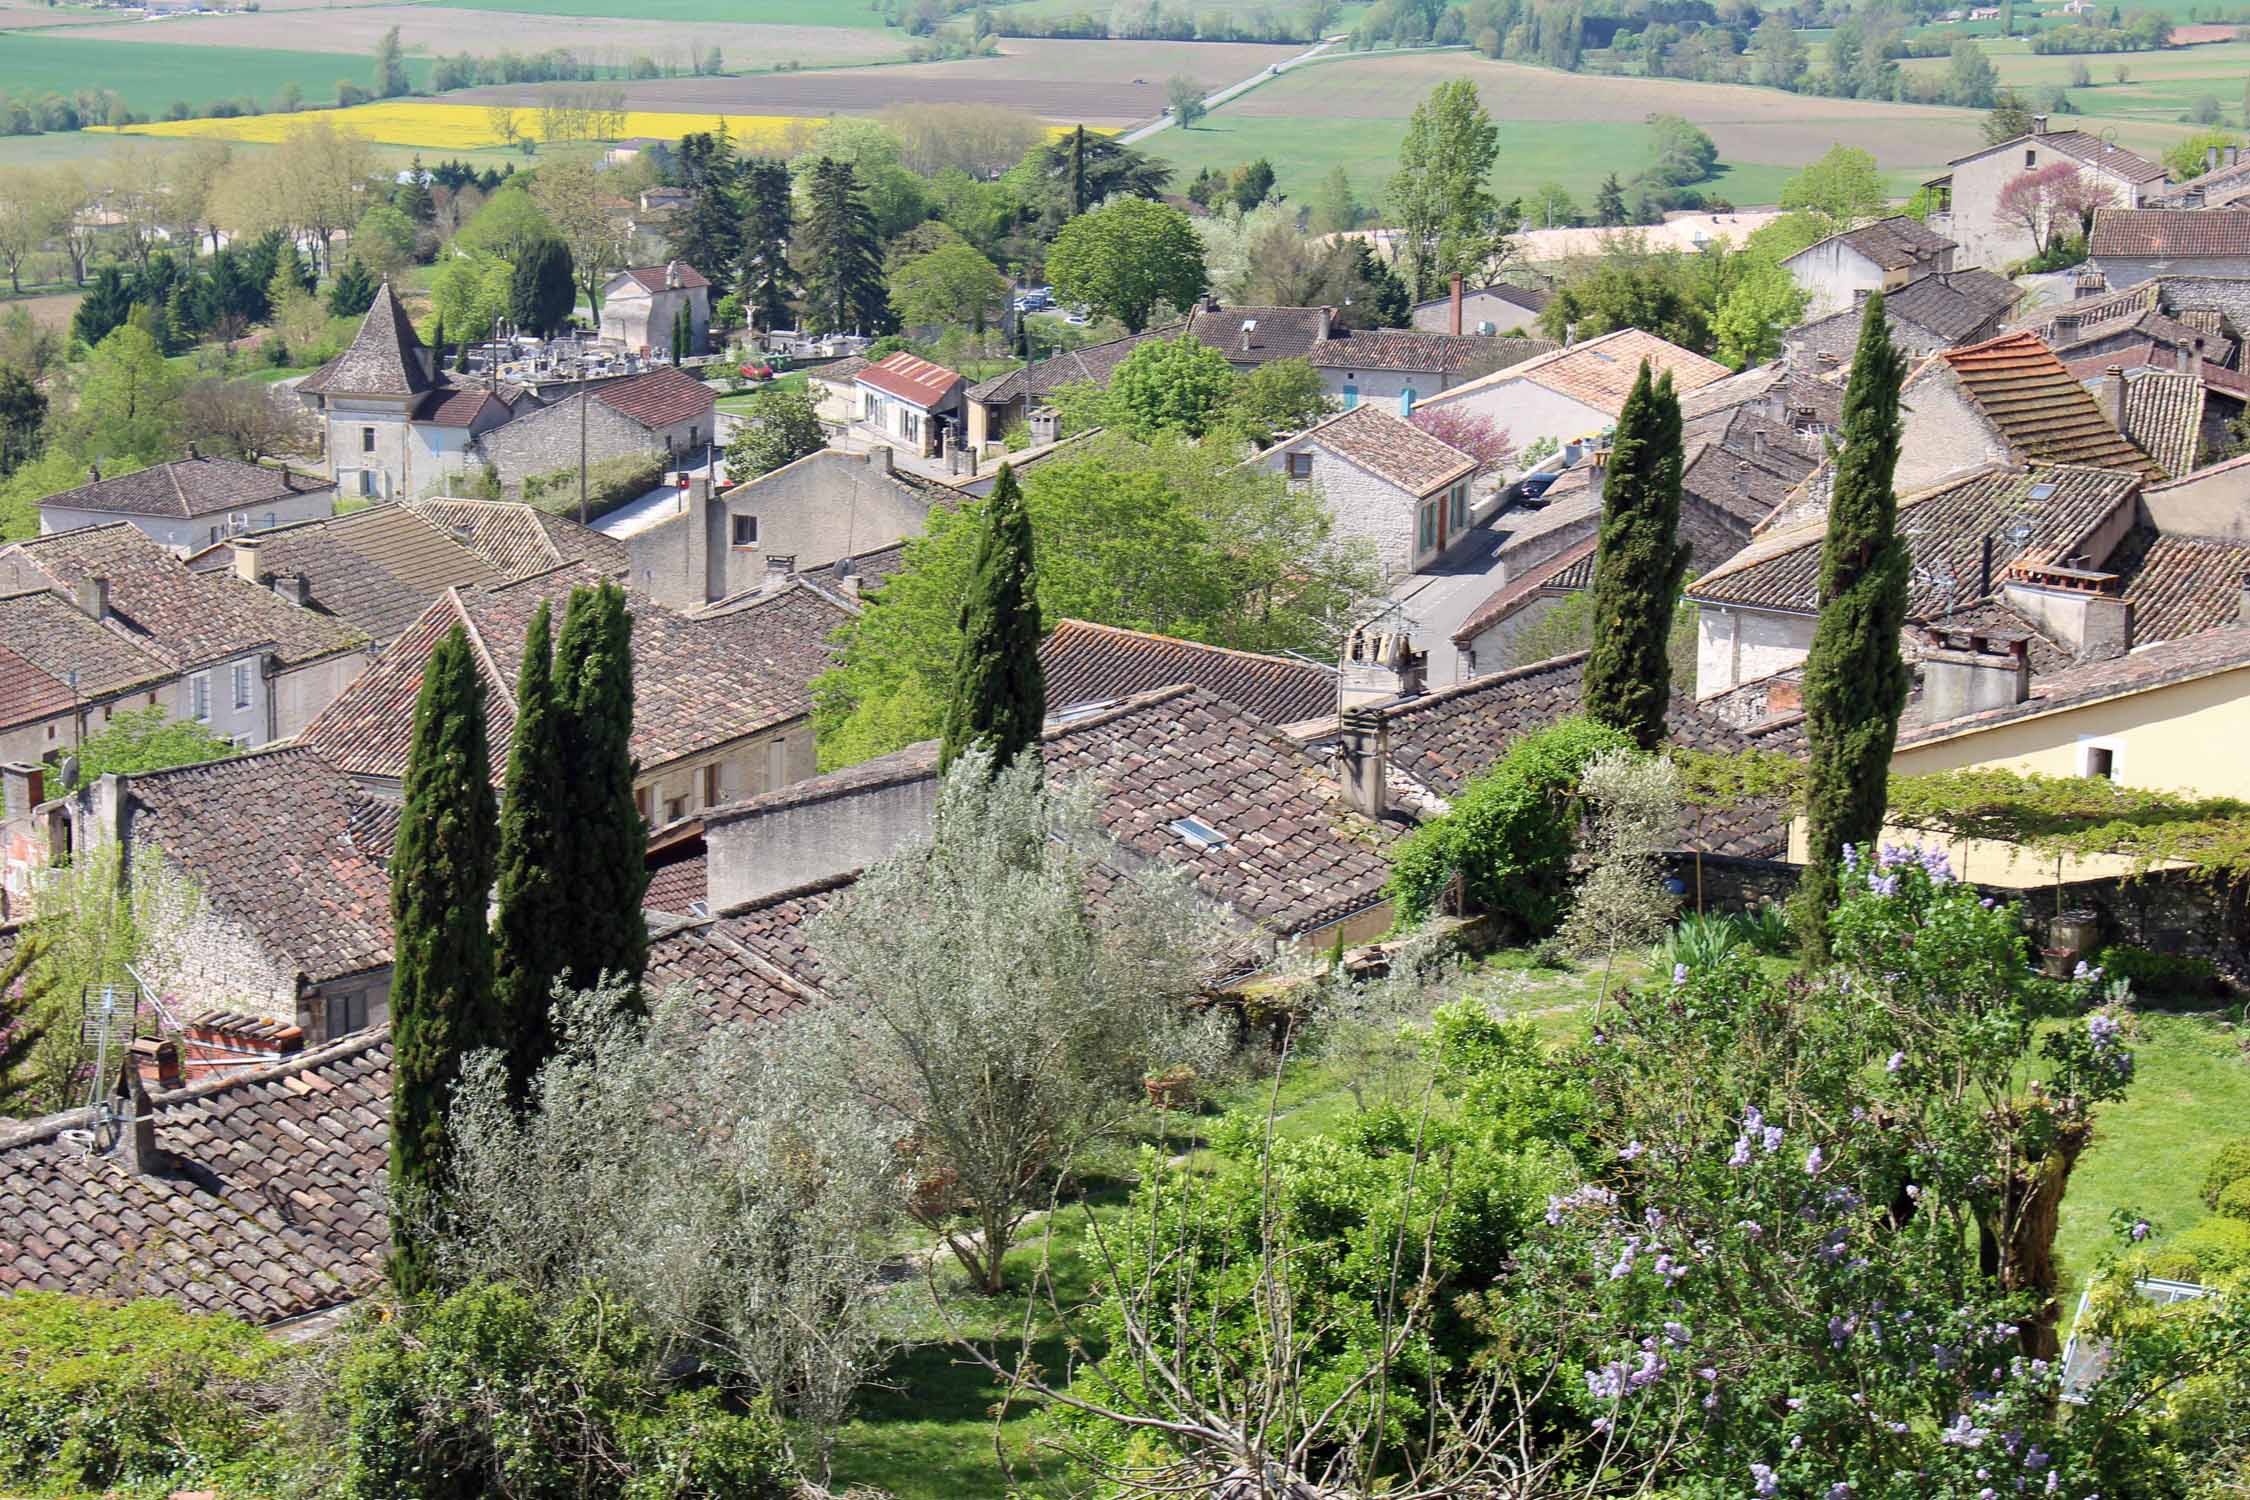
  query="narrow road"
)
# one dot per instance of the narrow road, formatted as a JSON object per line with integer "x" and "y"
{"x": 1140, "y": 133}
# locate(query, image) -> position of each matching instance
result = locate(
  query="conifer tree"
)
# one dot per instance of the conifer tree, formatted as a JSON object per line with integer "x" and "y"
{"x": 604, "y": 861}
{"x": 845, "y": 290}
{"x": 999, "y": 696}
{"x": 537, "y": 911}
{"x": 437, "y": 342}
{"x": 769, "y": 283}
{"x": 352, "y": 292}
{"x": 441, "y": 979}
{"x": 1638, "y": 564}
{"x": 25, "y": 996}
{"x": 1855, "y": 679}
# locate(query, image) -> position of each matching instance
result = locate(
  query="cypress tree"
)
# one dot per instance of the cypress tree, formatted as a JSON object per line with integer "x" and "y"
{"x": 768, "y": 284}
{"x": 604, "y": 863}
{"x": 1638, "y": 564}
{"x": 441, "y": 980}
{"x": 845, "y": 288}
{"x": 999, "y": 696}
{"x": 1078, "y": 171}
{"x": 537, "y": 913}
{"x": 1855, "y": 679}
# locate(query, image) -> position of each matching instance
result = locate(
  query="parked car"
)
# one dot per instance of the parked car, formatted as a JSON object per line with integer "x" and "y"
{"x": 1535, "y": 486}
{"x": 757, "y": 372}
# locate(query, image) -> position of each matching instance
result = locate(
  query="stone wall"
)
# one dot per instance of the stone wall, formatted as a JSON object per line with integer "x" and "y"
{"x": 540, "y": 442}
{"x": 782, "y": 848}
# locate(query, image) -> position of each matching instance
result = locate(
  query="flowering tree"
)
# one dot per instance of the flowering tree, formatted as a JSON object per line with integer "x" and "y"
{"x": 1471, "y": 431}
{"x": 2045, "y": 203}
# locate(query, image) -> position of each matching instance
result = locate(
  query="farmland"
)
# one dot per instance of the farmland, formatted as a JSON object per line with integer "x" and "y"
{"x": 455, "y": 127}
{"x": 149, "y": 76}
{"x": 2160, "y": 87}
{"x": 428, "y": 30}
{"x": 1094, "y": 83}
{"x": 1570, "y": 128}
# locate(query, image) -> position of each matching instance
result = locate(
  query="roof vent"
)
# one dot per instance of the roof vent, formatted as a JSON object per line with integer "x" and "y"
{"x": 1198, "y": 833}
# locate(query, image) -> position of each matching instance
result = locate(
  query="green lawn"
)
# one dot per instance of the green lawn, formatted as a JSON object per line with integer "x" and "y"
{"x": 150, "y": 76}
{"x": 853, "y": 13}
{"x": 2160, "y": 87}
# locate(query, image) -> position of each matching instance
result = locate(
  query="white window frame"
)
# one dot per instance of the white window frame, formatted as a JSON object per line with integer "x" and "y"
{"x": 735, "y": 527}
{"x": 244, "y": 688}
{"x": 199, "y": 697}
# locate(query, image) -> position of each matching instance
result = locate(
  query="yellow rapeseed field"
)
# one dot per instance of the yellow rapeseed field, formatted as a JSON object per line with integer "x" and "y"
{"x": 466, "y": 127}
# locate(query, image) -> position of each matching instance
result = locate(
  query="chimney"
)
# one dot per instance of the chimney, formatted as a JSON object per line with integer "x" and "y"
{"x": 2113, "y": 395}
{"x": 136, "y": 1149}
{"x": 158, "y": 1062}
{"x": 1326, "y": 326}
{"x": 2038, "y": 124}
{"x": 1456, "y": 301}
{"x": 2066, "y": 326}
{"x": 1046, "y": 425}
{"x": 1379, "y": 664}
{"x": 671, "y": 276}
{"x": 1249, "y": 326}
{"x": 2184, "y": 356}
{"x": 192, "y": 454}
{"x": 222, "y": 1041}
{"x": 1757, "y": 444}
{"x": 296, "y": 588}
{"x": 1970, "y": 673}
{"x": 2210, "y": 158}
{"x": 1364, "y": 750}
{"x": 93, "y": 473}
{"x": 2234, "y": 155}
{"x": 23, "y": 785}
{"x": 847, "y": 578}
{"x": 1597, "y": 472}
{"x": 778, "y": 569}
{"x": 93, "y": 597}
{"x": 881, "y": 459}
{"x": 246, "y": 561}
{"x": 1569, "y": 335}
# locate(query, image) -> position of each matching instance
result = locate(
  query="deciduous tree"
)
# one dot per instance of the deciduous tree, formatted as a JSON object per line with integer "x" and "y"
{"x": 1186, "y": 99}
{"x": 950, "y": 285}
{"x": 593, "y": 223}
{"x": 779, "y": 427}
{"x": 1125, "y": 258}
{"x": 1439, "y": 198}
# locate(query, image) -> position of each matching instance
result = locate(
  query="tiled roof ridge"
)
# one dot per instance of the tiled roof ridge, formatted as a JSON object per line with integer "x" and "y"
{"x": 713, "y": 931}
{"x": 1174, "y": 640}
{"x": 817, "y": 887}
{"x": 1520, "y": 588}
{"x": 1487, "y": 681}
{"x": 47, "y": 1127}
{"x": 500, "y": 681}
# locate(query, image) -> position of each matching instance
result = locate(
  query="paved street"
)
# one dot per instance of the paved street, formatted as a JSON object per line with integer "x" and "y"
{"x": 1436, "y": 600}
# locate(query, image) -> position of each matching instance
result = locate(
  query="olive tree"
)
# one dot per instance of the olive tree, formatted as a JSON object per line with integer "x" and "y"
{"x": 998, "y": 1014}
{"x": 685, "y": 1168}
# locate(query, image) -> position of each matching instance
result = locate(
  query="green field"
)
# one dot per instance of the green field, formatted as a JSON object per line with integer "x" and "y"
{"x": 150, "y": 75}
{"x": 855, "y": 13}
{"x": 2159, "y": 86}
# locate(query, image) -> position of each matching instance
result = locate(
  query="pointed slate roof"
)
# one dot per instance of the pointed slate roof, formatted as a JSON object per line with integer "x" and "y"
{"x": 383, "y": 360}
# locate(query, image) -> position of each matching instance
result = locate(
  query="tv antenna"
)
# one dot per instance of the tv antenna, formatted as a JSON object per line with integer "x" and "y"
{"x": 108, "y": 1016}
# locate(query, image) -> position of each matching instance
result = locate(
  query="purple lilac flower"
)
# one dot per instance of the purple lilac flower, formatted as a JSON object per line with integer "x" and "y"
{"x": 1751, "y": 1228}
{"x": 1772, "y": 1141}
{"x": 1679, "y": 973}
{"x": 2038, "y": 1458}
{"x": 1608, "y": 1382}
{"x": 1839, "y": 1491}
{"x": 1630, "y": 1150}
{"x": 1898, "y": 1061}
{"x": 2139, "y": 1230}
{"x": 1851, "y": 856}
{"x": 1676, "y": 1334}
{"x": 1964, "y": 1434}
{"x": 1762, "y": 1481}
{"x": 1741, "y": 1156}
{"x": 1814, "y": 1161}
{"x": 1882, "y": 885}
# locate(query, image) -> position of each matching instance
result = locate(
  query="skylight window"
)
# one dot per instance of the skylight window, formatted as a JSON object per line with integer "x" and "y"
{"x": 2040, "y": 492}
{"x": 1199, "y": 833}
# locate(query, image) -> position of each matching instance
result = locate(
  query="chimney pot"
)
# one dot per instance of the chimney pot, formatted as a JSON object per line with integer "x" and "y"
{"x": 136, "y": 1149}
{"x": 1379, "y": 664}
{"x": 1456, "y": 289}
{"x": 2183, "y": 355}
{"x": 245, "y": 560}
{"x": 1970, "y": 678}
{"x": 2038, "y": 124}
{"x": 1327, "y": 325}
{"x": 93, "y": 598}
{"x": 192, "y": 454}
{"x": 1364, "y": 747}
{"x": 881, "y": 459}
{"x": 2210, "y": 158}
{"x": 2113, "y": 396}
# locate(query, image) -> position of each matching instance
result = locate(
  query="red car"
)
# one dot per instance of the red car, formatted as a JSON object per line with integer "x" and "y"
{"x": 757, "y": 372}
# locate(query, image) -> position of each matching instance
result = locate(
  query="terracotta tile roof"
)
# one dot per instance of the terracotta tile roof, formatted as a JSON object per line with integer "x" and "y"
{"x": 450, "y": 405}
{"x": 2181, "y": 585}
{"x": 841, "y": 371}
{"x": 2154, "y": 356}
{"x": 1417, "y": 351}
{"x": 377, "y": 568}
{"x": 2086, "y": 147}
{"x": 1446, "y": 738}
{"x": 662, "y": 397}
{"x": 187, "y": 619}
{"x": 2044, "y": 414}
{"x": 1565, "y": 573}
{"x": 188, "y": 488}
{"x": 386, "y": 357}
{"x": 752, "y": 962}
{"x": 268, "y": 836}
{"x": 55, "y": 636}
{"x": 1743, "y": 464}
{"x": 1530, "y": 299}
{"x": 1388, "y": 447}
{"x": 1956, "y": 306}
{"x": 1279, "y": 332}
{"x": 2107, "y": 307}
{"x": 679, "y": 886}
{"x": 699, "y": 681}
{"x": 1599, "y": 371}
{"x": 1092, "y": 365}
{"x": 1896, "y": 243}
{"x": 658, "y": 278}
{"x": 2213, "y": 651}
{"x": 1087, "y": 663}
{"x": 519, "y": 539}
{"x": 2164, "y": 414}
{"x": 2168, "y": 233}
{"x": 1777, "y": 383}
{"x": 1945, "y": 528}
{"x": 911, "y": 378}
{"x": 277, "y": 1202}
{"x": 1295, "y": 857}
{"x": 29, "y": 692}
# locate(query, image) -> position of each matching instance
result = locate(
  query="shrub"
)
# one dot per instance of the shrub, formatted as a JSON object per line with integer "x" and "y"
{"x": 95, "y": 1395}
{"x": 1702, "y": 940}
{"x": 2234, "y": 1200}
{"x": 2230, "y": 1164}
{"x": 1766, "y": 929}
{"x": 1510, "y": 833}
{"x": 610, "y": 482}
{"x": 2173, "y": 975}
{"x": 2213, "y": 1248}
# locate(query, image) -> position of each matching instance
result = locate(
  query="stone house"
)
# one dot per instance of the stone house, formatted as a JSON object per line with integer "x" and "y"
{"x": 641, "y": 306}
{"x": 1407, "y": 366}
{"x": 825, "y": 507}
{"x": 1576, "y": 392}
{"x": 906, "y": 402}
{"x": 2006, "y": 400}
{"x": 663, "y": 410}
{"x": 1500, "y": 309}
{"x": 395, "y": 427}
{"x": 834, "y": 388}
{"x": 1970, "y": 191}
{"x": 1384, "y": 480}
{"x": 244, "y": 661}
{"x": 2136, "y": 245}
{"x": 1937, "y": 311}
{"x": 192, "y": 502}
{"x": 1882, "y": 256}
{"x": 722, "y": 696}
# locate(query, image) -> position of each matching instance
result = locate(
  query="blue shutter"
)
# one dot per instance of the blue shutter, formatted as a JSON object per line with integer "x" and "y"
{"x": 1406, "y": 402}
{"x": 1351, "y": 395}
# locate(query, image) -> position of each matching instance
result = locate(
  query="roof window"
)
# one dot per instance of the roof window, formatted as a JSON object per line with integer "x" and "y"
{"x": 1198, "y": 833}
{"x": 2040, "y": 492}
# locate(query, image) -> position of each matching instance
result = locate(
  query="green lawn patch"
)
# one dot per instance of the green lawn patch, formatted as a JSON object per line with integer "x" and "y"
{"x": 852, "y": 13}
{"x": 150, "y": 76}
